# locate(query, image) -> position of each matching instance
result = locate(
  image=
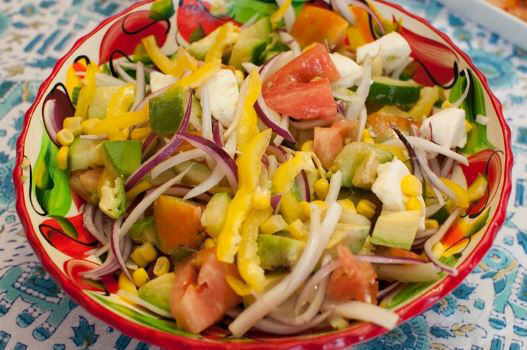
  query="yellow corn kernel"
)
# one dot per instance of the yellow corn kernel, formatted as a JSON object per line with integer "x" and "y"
{"x": 321, "y": 188}
{"x": 62, "y": 157}
{"x": 140, "y": 133}
{"x": 273, "y": 224}
{"x": 468, "y": 126}
{"x": 140, "y": 277}
{"x": 478, "y": 188}
{"x": 65, "y": 137}
{"x": 297, "y": 229}
{"x": 144, "y": 254}
{"x": 462, "y": 198}
{"x": 209, "y": 243}
{"x": 431, "y": 224}
{"x": 261, "y": 199}
{"x": 411, "y": 186}
{"x": 137, "y": 189}
{"x": 125, "y": 284}
{"x": 366, "y": 208}
{"x": 74, "y": 124}
{"x": 305, "y": 210}
{"x": 162, "y": 266}
{"x": 347, "y": 204}
{"x": 366, "y": 137}
{"x": 446, "y": 104}
{"x": 307, "y": 146}
{"x": 413, "y": 203}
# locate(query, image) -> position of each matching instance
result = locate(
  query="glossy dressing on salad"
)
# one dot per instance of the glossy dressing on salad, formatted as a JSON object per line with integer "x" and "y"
{"x": 282, "y": 175}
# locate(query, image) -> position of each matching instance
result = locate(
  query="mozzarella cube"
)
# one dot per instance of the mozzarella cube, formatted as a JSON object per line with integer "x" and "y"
{"x": 349, "y": 71}
{"x": 160, "y": 81}
{"x": 392, "y": 48}
{"x": 224, "y": 94}
{"x": 387, "y": 186}
{"x": 446, "y": 128}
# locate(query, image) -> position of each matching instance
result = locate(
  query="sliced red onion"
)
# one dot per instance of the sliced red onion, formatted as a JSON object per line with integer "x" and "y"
{"x": 434, "y": 166}
{"x": 388, "y": 290}
{"x": 110, "y": 265}
{"x": 335, "y": 183}
{"x": 434, "y": 180}
{"x": 289, "y": 16}
{"x": 278, "y": 151}
{"x": 149, "y": 141}
{"x": 310, "y": 124}
{"x": 374, "y": 259}
{"x": 140, "y": 85}
{"x": 122, "y": 73}
{"x": 448, "y": 164}
{"x": 163, "y": 153}
{"x": 432, "y": 209}
{"x": 360, "y": 97}
{"x": 343, "y": 8}
{"x": 115, "y": 243}
{"x": 182, "y": 190}
{"x": 57, "y": 106}
{"x": 217, "y": 131}
{"x": 87, "y": 217}
{"x": 284, "y": 123}
{"x": 222, "y": 158}
{"x": 319, "y": 276}
{"x": 275, "y": 201}
{"x": 463, "y": 97}
{"x": 149, "y": 97}
{"x": 206, "y": 113}
{"x": 176, "y": 160}
{"x": 143, "y": 303}
{"x": 357, "y": 310}
{"x": 363, "y": 118}
{"x": 425, "y": 233}
{"x": 279, "y": 328}
{"x": 428, "y": 146}
{"x": 214, "y": 178}
{"x": 291, "y": 42}
{"x": 307, "y": 189}
{"x": 429, "y": 245}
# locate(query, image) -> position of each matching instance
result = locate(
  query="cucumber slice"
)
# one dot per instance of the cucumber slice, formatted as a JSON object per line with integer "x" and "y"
{"x": 251, "y": 42}
{"x": 85, "y": 154}
{"x": 387, "y": 91}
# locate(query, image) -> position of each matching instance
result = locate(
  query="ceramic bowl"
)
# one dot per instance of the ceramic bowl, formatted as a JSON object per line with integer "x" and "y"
{"x": 53, "y": 224}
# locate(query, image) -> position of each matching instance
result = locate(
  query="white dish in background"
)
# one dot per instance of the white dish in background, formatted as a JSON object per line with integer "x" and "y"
{"x": 481, "y": 11}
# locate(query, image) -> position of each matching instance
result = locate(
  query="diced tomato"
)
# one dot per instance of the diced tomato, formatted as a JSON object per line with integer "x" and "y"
{"x": 328, "y": 142}
{"x": 201, "y": 294}
{"x": 382, "y": 123}
{"x": 302, "y": 89}
{"x": 354, "y": 280}
{"x": 310, "y": 100}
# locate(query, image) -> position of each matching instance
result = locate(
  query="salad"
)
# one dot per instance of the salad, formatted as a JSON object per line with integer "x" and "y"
{"x": 281, "y": 175}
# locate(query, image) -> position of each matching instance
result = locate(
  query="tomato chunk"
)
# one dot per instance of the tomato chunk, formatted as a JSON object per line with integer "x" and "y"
{"x": 354, "y": 280}
{"x": 201, "y": 295}
{"x": 328, "y": 142}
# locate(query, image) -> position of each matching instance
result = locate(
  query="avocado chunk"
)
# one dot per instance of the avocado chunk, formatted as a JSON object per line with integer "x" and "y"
{"x": 124, "y": 157}
{"x": 157, "y": 291}
{"x": 162, "y": 9}
{"x": 112, "y": 197}
{"x": 278, "y": 251}
{"x": 200, "y": 48}
{"x": 213, "y": 216}
{"x": 251, "y": 43}
{"x": 396, "y": 229}
{"x": 356, "y": 229}
{"x": 85, "y": 154}
{"x": 358, "y": 162}
{"x": 144, "y": 230}
{"x": 166, "y": 111}
{"x": 100, "y": 101}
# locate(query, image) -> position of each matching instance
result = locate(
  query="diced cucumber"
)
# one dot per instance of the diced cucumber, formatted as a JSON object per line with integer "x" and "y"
{"x": 213, "y": 216}
{"x": 387, "y": 91}
{"x": 251, "y": 43}
{"x": 85, "y": 154}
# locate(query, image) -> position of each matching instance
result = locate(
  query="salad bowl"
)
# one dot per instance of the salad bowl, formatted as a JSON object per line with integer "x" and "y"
{"x": 52, "y": 214}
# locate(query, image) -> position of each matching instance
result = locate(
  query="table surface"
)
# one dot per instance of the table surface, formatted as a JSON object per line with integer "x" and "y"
{"x": 488, "y": 311}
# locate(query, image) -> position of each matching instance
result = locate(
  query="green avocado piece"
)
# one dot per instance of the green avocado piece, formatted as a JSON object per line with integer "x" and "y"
{"x": 124, "y": 157}
{"x": 166, "y": 110}
{"x": 278, "y": 251}
{"x": 200, "y": 48}
{"x": 396, "y": 229}
{"x": 162, "y": 9}
{"x": 144, "y": 230}
{"x": 85, "y": 154}
{"x": 251, "y": 42}
{"x": 358, "y": 163}
{"x": 113, "y": 197}
{"x": 157, "y": 291}
{"x": 357, "y": 228}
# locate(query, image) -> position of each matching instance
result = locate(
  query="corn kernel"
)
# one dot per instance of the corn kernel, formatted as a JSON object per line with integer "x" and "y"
{"x": 65, "y": 137}
{"x": 140, "y": 133}
{"x": 446, "y": 104}
{"x": 347, "y": 204}
{"x": 307, "y": 146}
{"x": 321, "y": 188}
{"x": 413, "y": 203}
{"x": 297, "y": 229}
{"x": 431, "y": 224}
{"x": 305, "y": 210}
{"x": 209, "y": 243}
{"x": 62, "y": 157}
{"x": 162, "y": 266}
{"x": 462, "y": 197}
{"x": 478, "y": 188}
{"x": 411, "y": 186}
{"x": 73, "y": 124}
{"x": 261, "y": 198}
{"x": 366, "y": 137}
{"x": 366, "y": 208}
{"x": 140, "y": 277}
{"x": 125, "y": 284}
{"x": 273, "y": 224}
{"x": 144, "y": 254}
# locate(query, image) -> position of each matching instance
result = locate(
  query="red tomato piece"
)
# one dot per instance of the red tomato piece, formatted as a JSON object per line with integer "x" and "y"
{"x": 201, "y": 295}
{"x": 353, "y": 280}
{"x": 327, "y": 144}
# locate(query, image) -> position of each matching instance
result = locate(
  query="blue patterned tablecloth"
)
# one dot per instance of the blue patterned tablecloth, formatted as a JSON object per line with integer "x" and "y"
{"x": 488, "y": 311}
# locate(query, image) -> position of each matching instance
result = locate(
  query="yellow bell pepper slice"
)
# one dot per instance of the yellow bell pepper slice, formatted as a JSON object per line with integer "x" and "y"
{"x": 216, "y": 51}
{"x": 112, "y": 126}
{"x": 87, "y": 92}
{"x": 183, "y": 62}
{"x": 249, "y": 169}
{"x": 159, "y": 58}
{"x": 121, "y": 101}
{"x": 280, "y": 13}
{"x": 72, "y": 80}
{"x": 248, "y": 259}
{"x": 248, "y": 120}
{"x": 199, "y": 76}
{"x": 284, "y": 176}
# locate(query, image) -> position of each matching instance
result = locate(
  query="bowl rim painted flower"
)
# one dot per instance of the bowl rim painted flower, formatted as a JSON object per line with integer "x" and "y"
{"x": 335, "y": 339}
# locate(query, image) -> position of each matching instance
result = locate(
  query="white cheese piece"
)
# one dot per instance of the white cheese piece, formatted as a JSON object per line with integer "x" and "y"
{"x": 224, "y": 94}
{"x": 392, "y": 48}
{"x": 446, "y": 128}
{"x": 349, "y": 71}
{"x": 387, "y": 186}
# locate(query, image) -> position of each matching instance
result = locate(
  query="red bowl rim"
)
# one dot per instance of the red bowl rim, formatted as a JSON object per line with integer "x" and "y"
{"x": 333, "y": 340}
